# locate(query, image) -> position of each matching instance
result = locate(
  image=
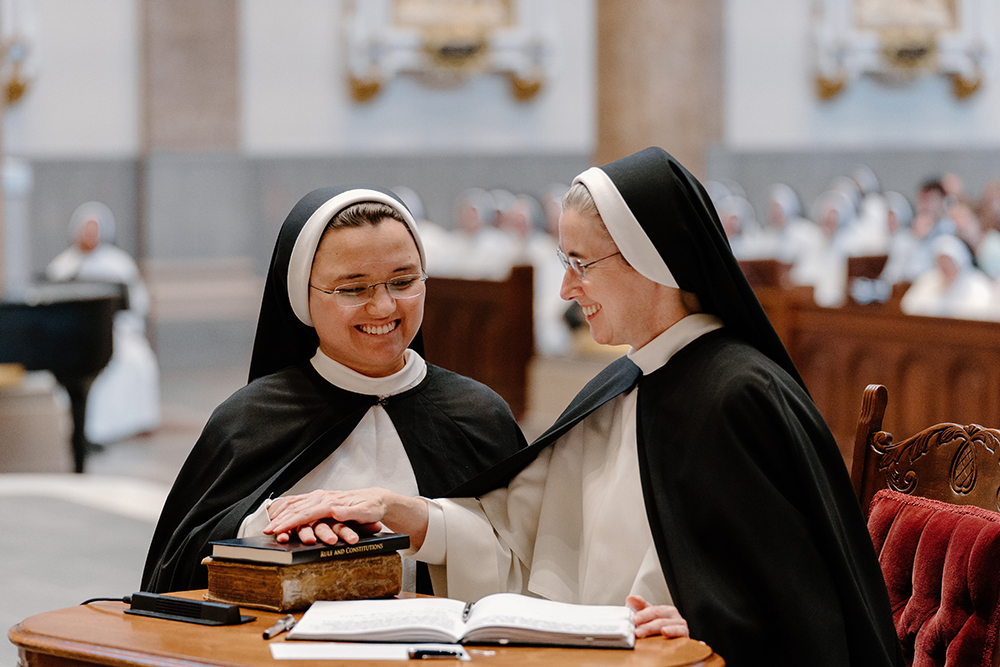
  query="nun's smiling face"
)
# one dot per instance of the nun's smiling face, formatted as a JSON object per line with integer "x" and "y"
{"x": 369, "y": 338}
{"x": 621, "y": 305}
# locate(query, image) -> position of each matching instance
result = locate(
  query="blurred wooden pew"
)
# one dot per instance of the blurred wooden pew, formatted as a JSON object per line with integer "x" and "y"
{"x": 866, "y": 266}
{"x": 483, "y": 329}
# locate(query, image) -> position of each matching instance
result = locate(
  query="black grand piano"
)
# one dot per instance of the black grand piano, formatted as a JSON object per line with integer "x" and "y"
{"x": 65, "y": 328}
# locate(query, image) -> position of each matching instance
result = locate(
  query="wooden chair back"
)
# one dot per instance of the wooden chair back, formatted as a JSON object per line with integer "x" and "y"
{"x": 948, "y": 462}
{"x": 866, "y": 266}
{"x": 766, "y": 272}
{"x": 483, "y": 329}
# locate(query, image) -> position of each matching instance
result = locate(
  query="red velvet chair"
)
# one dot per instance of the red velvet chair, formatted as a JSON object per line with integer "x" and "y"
{"x": 936, "y": 532}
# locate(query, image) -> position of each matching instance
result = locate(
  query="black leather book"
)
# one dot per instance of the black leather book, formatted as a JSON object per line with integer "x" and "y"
{"x": 265, "y": 549}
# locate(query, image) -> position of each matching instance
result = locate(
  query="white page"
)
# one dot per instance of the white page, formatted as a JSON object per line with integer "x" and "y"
{"x": 344, "y": 651}
{"x": 520, "y": 611}
{"x": 379, "y": 619}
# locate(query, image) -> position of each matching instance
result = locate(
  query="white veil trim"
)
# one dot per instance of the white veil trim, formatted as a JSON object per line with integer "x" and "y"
{"x": 625, "y": 230}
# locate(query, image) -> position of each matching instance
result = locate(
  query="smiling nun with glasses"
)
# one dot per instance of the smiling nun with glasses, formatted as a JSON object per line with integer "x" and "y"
{"x": 692, "y": 479}
{"x": 337, "y": 397}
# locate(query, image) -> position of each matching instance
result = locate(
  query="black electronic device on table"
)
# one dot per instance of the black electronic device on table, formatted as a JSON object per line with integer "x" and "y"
{"x": 189, "y": 611}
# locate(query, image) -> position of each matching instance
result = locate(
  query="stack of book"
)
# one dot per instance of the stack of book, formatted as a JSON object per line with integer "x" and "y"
{"x": 262, "y": 573}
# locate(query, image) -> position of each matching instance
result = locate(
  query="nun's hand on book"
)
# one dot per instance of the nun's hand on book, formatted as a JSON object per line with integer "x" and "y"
{"x": 309, "y": 514}
{"x": 360, "y": 508}
{"x": 330, "y": 532}
{"x": 656, "y": 619}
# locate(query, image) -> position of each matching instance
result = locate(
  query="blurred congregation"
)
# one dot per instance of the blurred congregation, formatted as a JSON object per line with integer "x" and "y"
{"x": 942, "y": 255}
{"x": 154, "y": 147}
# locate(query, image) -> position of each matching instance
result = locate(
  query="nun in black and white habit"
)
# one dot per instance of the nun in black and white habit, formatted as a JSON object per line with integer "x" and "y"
{"x": 695, "y": 472}
{"x": 306, "y": 421}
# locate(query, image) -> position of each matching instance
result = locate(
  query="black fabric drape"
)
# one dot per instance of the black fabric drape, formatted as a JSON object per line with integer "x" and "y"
{"x": 754, "y": 517}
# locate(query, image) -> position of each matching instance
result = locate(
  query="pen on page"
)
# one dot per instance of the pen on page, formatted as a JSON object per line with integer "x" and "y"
{"x": 466, "y": 611}
{"x": 282, "y": 625}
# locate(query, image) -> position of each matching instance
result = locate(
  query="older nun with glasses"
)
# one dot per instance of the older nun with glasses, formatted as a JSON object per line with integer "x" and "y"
{"x": 337, "y": 398}
{"x": 692, "y": 479}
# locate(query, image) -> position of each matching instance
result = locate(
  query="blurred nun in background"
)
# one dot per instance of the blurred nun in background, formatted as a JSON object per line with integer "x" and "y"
{"x": 899, "y": 219}
{"x": 953, "y": 288}
{"x": 870, "y": 235}
{"x": 789, "y": 234}
{"x": 739, "y": 221}
{"x": 824, "y": 265}
{"x": 125, "y": 398}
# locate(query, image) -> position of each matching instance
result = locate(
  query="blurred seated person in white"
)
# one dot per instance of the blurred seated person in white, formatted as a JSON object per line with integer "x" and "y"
{"x": 336, "y": 398}
{"x": 823, "y": 265}
{"x": 553, "y": 335}
{"x": 929, "y": 223}
{"x": 480, "y": 250}
{"x": 789, "y": 235}
{"x": 695, "y": 471}
{"x": 953, "y": 288}
{"x": 902, "y": 244}
{"x": 552, "y": 207}
{"x": 931, "y": 200}
{"x": 125, "y": 398}
{"x": 954, "y": 190}
{"x": 525, "y": 221}
{"x": 984, "y": 242}
{"x": 739, "y": 221}
{"x": 870, "y": 235}
{"x": 438, "y": 242}
{"x": 716, "y": 193}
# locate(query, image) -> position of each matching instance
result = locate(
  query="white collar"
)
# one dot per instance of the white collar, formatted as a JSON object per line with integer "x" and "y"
{"x": 336, "y": 373}
{"x": 657, "y": 352}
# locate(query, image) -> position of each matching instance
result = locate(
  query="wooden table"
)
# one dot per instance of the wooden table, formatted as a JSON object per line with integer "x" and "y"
{"x": 100, "y": 634}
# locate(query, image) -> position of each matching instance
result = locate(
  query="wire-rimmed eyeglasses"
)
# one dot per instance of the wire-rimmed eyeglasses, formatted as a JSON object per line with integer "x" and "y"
{"x": 578, "y": 267}
{"x": 353, "y": 295}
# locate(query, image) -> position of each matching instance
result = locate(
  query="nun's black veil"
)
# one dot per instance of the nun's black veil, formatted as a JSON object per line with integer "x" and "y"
{"x": 678, "y": 217}
{"x": 282, "y": 339}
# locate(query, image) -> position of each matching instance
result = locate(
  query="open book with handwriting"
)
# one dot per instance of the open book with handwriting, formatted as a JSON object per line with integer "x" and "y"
{"x": 504, "y": 618}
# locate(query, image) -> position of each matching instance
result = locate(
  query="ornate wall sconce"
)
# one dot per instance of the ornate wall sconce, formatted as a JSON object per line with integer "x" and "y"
{"x": 446, "y": 42}
{"x": 897, "y": 41}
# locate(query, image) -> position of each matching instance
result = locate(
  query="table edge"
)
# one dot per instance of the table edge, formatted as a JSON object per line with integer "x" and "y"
{"x": 97, "y": 653}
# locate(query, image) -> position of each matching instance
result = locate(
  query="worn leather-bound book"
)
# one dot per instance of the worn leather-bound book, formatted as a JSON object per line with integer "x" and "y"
{"x": 295, "y": 587}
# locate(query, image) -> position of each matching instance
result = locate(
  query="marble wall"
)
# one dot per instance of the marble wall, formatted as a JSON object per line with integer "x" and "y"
{"x": 771, "y": 104}
{"x": 190, "y": 72}
{"x": 296, "y": 99}
{"x": 179, "y": 113}
{"x": 659, "y": 78}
